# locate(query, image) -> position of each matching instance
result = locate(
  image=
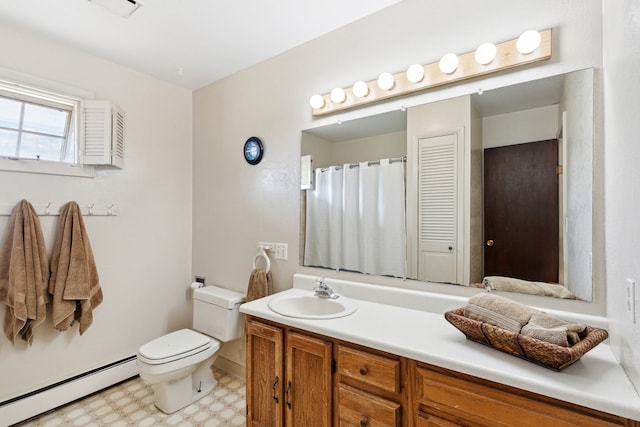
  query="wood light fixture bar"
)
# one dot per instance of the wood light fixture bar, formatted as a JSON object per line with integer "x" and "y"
{"x": 507, "y": 56}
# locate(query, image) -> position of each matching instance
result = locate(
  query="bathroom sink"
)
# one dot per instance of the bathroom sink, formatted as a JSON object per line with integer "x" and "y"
{"x": 308, "y": 306}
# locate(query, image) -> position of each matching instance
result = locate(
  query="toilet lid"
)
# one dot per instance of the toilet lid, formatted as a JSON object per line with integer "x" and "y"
{"x": 175, "y": 345}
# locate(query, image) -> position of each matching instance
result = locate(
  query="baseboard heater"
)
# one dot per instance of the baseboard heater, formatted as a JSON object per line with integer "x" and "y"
{"x": 52, "y": 396}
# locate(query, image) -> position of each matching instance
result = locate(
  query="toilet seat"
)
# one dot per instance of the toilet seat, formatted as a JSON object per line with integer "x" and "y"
{"x": 174, "y": 346}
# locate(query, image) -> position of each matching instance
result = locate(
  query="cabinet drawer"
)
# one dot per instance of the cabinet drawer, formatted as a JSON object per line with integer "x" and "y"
{"x": 362, "y": 409}
{"x": 428, "y": 420}
{"x": 372, "y": 369}
{"x": 479, "y": 404}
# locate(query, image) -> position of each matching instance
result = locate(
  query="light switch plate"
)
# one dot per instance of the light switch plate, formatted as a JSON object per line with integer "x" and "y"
{"x": 630, "y": 299}
{"x": 282, "y": 251}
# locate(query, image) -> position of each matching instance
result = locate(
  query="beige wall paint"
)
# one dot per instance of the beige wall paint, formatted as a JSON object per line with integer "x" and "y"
{"x": 237, "y": 205}
{"x": 537, "y": 124}
{"x": 622, "y": 176}
{"x": 143, "y": 254}
{"x": 388, "y": 146}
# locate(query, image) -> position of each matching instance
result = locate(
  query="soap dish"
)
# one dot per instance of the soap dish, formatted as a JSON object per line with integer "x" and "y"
{"x": 542, "y": 353}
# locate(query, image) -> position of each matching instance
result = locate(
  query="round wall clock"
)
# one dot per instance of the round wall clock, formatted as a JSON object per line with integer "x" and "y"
{"x": 253, "y": 150}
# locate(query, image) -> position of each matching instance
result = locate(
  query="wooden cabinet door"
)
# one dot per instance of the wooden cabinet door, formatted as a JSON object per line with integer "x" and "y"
{"x": 264, "y": 375}
{"x": 308, "y": 391}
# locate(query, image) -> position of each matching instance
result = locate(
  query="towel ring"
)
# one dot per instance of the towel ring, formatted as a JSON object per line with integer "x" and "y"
{"x": 262, "y": 254}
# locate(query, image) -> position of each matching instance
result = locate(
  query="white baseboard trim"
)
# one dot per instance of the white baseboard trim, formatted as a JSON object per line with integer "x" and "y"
{"x": 32, "y": 404}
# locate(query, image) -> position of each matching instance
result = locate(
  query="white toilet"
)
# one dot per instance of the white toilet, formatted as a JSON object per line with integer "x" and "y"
{"x": 178, "y": 365}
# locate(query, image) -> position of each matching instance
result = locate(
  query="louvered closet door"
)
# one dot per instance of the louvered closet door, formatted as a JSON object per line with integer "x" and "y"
{"x": 438, "y": 208}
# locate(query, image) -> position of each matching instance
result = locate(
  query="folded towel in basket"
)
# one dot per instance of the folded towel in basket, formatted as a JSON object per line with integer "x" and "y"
{"x": 553, "y": 330}
{"x": 498, "y": 311}
{"x": 519, "y": 318}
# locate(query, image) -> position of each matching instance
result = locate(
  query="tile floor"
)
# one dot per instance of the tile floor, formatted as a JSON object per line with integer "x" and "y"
{"x": 130, "y": 403}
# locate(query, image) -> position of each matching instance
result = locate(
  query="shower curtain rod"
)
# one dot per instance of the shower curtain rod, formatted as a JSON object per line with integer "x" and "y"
{"x": 369, "y": 163}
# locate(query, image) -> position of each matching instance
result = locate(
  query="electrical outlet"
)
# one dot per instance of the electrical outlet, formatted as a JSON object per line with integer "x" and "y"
{"x": 282, "y": 251}
{"x": 630, "y": 299}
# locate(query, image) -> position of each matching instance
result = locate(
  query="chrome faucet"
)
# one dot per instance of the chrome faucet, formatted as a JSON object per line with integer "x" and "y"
{"x": 323, "y": 291}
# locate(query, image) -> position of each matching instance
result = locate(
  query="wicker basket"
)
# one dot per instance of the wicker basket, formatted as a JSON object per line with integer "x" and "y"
{"x": 540, "y": 352}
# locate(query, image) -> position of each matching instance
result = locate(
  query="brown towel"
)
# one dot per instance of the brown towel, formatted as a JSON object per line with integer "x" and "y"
{"x": 553, "y": 330}
{"x": 23, "y": 273}
{"x": 498, "y": 311}
{"x": 74, "y": 281}
{"x": 510, "y": 284}
{"x": 259, "y": 284}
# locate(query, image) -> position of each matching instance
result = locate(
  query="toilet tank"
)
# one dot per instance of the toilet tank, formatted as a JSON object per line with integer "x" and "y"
{"x": 216, "y": 312}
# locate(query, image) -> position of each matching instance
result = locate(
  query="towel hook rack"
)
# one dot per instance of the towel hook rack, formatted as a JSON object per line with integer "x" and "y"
{"x": 47, "y": 209}
{"x": 262, "y": 254}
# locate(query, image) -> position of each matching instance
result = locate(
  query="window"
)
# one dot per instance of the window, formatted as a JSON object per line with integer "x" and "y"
{"x": 40, "y": 126}
{"x": 37, "y": 125}
{"x": 47, "y": 127}
{"x": 32, "y": 131}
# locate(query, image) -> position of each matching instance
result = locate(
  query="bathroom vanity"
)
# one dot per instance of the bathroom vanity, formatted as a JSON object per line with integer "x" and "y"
{"x": 395, "y": 361}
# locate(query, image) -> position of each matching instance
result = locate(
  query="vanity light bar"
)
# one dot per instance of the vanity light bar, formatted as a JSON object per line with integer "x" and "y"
{"x": 508, "y": 54}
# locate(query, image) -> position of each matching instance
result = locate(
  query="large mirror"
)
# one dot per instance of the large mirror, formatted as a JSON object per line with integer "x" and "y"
{"x": 491, "y": 189}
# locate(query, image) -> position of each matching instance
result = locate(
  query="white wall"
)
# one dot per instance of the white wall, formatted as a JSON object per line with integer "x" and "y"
{"x": 622, "y": 175}
{"x": 536, "y": 124}
{"x": 143, "y": 254}
{"x": 579, "y": 143}
{"x": 237, "y": 205}
{"x": 327, "y": 153}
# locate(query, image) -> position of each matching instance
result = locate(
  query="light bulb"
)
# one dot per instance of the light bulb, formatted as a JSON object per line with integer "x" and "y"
{"x": 316, "y": 102}
{"x": 528, "y": 42}
{"x": 337, "y": 95}
{"x": 485, "y": 53}
{"x": 360, "y": 89}
{"x": 415, "y": 73}
{"x": 386, "y": 81}
{"x": 449, "y": 63}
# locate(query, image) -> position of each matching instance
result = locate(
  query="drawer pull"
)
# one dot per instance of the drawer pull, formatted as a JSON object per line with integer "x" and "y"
{"x": 364, "y": 422}
{"x": 275, "y": 384}
{"x": 364, "y": 371}
{"x": 286, "y": 393}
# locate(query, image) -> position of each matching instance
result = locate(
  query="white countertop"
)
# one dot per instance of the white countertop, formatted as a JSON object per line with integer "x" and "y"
{"x": 596, "y": 380}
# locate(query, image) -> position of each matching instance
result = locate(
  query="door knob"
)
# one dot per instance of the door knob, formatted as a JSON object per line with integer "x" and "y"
{"x": 490, "y": 242}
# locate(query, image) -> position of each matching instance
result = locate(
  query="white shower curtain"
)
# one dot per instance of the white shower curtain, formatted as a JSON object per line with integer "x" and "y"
{"x": 324, "y": 219}
{"x": 358, "y": 225}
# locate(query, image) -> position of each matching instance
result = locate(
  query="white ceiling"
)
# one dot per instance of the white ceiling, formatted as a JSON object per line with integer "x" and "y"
{"x": 190, "y": 43}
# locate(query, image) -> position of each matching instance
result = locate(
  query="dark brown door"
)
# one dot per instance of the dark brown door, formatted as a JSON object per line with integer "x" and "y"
{"x": 521, "y": 211}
